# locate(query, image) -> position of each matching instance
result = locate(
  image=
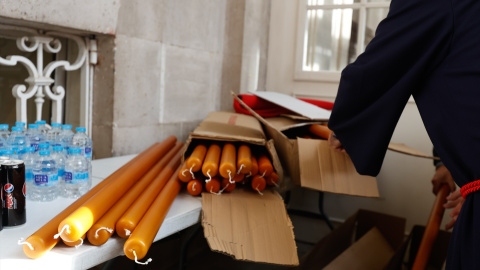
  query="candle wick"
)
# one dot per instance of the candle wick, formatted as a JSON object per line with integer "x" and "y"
{"x": 127, "y": 232}
{"x": 263, "y": 175}
{"x": 230, "y": 177}
{"x": 145, "y": 263}
{"x": 191, "y": 172}
{"x": 240, "y": 169}
{"x": 103, "y": 228}
{"x": 224, "y": 188}
{"x": 193, "y": 186}
{"x": 209, "y": 177}
{"x": 216, "y": 193}
{"x": 184, "y": 171}
{"x": 21, "y": 242}
{"x": 81, "y": 243}
{"x": 259, "y": 192}
{"x": 65, "y": 228}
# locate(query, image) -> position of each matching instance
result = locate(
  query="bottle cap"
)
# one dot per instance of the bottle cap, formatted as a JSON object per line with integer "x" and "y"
{"x": 56, "y": 125}
{"x": 67, "y": 127}
{"x": 3, "y": 126}
{"x": 17, "y": 128}
{"x": 57, "y": 148}
{"x": 32, "y": 126}
{"x": 41, "y": 122}
{"x": 20, "y": 124}
{"x": 43, "y": 145}
{"x": 44, "y": 152}
{"x": 81, "y": 129}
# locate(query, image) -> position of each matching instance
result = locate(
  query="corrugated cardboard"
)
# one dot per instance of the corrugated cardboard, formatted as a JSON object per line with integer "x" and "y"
{"x": 249, "y": 226}
{"x": 311, "y": 163}
{"x": 244, "y": 223}
{"x": 370, "y": 252}
{"x": 354, "y": 229}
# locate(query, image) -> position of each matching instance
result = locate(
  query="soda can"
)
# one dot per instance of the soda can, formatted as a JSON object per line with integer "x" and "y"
{"x": 12, "y": 176}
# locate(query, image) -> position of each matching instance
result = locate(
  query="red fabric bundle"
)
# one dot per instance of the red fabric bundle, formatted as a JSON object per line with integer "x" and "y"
{"x": 267, "y": 109}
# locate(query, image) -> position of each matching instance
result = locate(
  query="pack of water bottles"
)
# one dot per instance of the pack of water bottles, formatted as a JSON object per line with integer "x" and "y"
{"x": 57, "y": 160}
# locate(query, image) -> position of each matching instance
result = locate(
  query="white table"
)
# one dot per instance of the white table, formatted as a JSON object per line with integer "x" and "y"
{"x": 184, "y": 212}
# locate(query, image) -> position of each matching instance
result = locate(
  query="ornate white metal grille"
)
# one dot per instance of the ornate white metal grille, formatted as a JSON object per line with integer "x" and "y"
{"x": 40, "y": 81}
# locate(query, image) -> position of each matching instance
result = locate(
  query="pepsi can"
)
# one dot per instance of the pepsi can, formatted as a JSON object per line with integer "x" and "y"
{"x": 12, "y": 176}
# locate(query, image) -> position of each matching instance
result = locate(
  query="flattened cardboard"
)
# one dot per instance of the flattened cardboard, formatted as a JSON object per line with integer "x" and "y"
{"x": 249, "y": 226}
{"x": 322, "y": 168}
{"x": 353, "y": 229}
{"x": 227, "y": 126}
{"x": 302, "y": 161}
{"x": 402, "y": 148}
{"x": 370, "y": 252}
{"x": 295, "y": 105}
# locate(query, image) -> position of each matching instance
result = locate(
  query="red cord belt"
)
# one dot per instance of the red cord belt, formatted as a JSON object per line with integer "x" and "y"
{"x": 470, "y": 188}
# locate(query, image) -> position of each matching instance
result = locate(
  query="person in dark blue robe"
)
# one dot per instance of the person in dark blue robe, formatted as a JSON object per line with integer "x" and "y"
{"x": 428, "y": 49}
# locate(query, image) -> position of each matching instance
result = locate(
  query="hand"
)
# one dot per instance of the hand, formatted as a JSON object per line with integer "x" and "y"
{"x": 455, "y": 201}
{"x": 334, "y": 143}
{"x": 442, "y": 176}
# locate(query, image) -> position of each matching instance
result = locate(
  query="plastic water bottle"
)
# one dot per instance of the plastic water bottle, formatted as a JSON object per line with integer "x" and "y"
{"x": 42, "y": 126}
{"x": 65, "y": 137}
{"x": 35, "y": 136}
{"x": 23, "y": 125}
{"x": 82, "y": 141}
{"x": 45, "y": 178}
{"x": 77, "y": 178}
{"x": 29, "y": 158}
{"x": 17, "y": 141}
{"x": 4, "y": 132}
{"x": 53, "y": 134}
{"x": 3, "y": 143}
{"x": 7, "y": 153}
{"x": 60, "y": 160}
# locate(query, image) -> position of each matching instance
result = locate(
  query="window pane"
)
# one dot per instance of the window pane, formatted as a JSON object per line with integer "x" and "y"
{"x": 330, "y": 39}
{"x": 374, "y": 16}
{"x": 332, "y": 2}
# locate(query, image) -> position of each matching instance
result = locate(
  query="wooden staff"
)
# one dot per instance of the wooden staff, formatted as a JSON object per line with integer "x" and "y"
{"x": 431, "y": 231}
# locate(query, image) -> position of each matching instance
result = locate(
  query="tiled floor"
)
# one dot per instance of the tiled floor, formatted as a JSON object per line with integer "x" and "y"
{"x": 166, "y": 253}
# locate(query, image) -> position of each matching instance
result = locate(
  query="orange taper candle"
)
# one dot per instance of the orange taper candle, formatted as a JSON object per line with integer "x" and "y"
{"x": 254, "y": 167}
{"x": 244, "y": 159}
{"x": 79, "y": 242}
{"x": 80, "y": 221}
{"x": 227, "y": 186}
{"x": 103, "y": 229}
{"x": 258, "y": 183}
{"x": 184, "y": 173}
{"x": 320, "y": 131}
{"x": 210, "y": 164}
{"x": 137, "y": 245}
{"x": 130, "y": 219}
{"x": 43, "y": 239}
{"x": 265, "y": 167}
{"x": 213, "y": 186}
{"x": 194, "y": 187}
{"x": 195, "y": 160}
{"x": 272, "y": 180}
{"x": 228, "y": 165}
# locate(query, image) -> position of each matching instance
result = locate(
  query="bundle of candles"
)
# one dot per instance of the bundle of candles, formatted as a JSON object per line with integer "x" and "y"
{"x": 216, "y": 167}
{"x": 133, "y": 201}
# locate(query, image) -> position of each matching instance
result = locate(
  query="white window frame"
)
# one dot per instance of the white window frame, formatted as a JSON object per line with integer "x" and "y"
{"x": 328, "y": 76}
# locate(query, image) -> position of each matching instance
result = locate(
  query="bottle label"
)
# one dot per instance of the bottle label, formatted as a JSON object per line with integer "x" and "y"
{"x": 61, "y": 172}
{"x": 45, "y": 180}
{"x": 75, "y": 177}
{"x": 88, "y": 152}
{"x": 34, "y": 145}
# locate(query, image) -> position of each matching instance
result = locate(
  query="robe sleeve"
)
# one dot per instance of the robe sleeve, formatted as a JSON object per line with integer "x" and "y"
{"x": 408, "y": 45}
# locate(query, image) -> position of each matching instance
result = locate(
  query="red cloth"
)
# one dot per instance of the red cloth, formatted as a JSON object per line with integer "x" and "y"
{"x": 267, "y": 109}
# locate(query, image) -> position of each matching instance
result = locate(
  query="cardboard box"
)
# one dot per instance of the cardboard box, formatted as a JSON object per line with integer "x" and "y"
{"x": 245, "y": 224}
{"x": 311, "y": 163}
{"x": 366, "y": 240}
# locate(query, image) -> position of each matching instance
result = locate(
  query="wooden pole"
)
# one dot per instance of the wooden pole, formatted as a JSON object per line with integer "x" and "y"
{"x": 431, "y": 231}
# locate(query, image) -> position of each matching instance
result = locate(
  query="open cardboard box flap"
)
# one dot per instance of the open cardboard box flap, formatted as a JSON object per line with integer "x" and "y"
{"x": 312, "y": 164}
{"x": 249, "y": 226}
